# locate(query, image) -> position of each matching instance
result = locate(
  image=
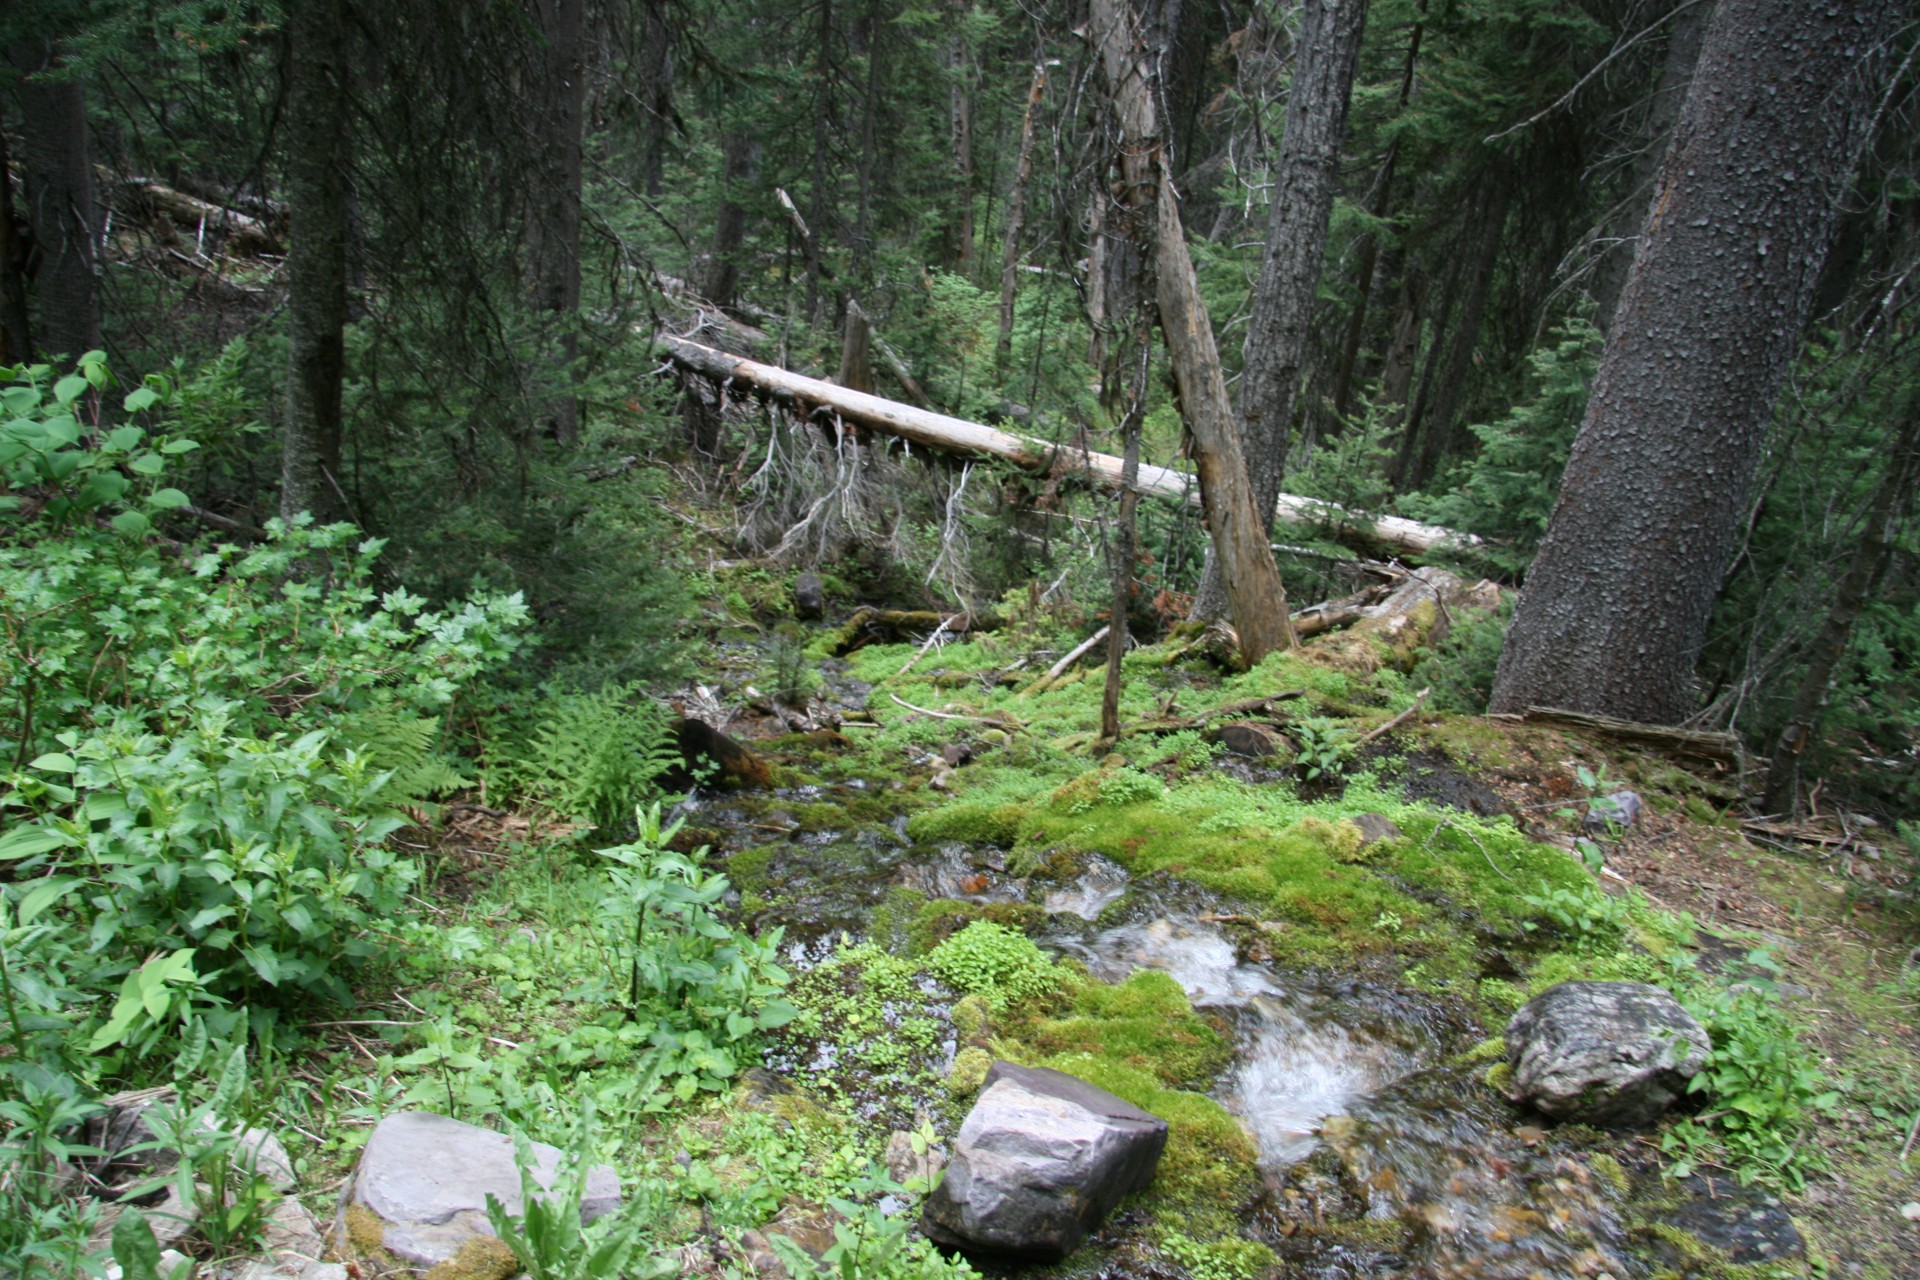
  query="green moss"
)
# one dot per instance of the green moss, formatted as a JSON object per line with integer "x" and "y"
{"x": 969, "y": 1072}
{"x": 941, "y": 918}
{"x": 1498, "y": 1077}
{"x": 1145, "y": 1023}
{"x": 972, "y": 1020}
{"x": 366, "y": 1232}
{"x": 974, "y": 823}
{"x": 1489, "y": 1050}
{"x": 1610, "y": 1171}
{"x": 480, "y": 1258}
{"x": 747, "y": 868}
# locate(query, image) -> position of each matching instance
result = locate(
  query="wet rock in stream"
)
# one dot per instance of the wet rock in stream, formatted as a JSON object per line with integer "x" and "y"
{"x": 1482, "y": 1195}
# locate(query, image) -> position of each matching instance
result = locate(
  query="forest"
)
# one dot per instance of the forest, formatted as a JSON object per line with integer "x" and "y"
{"x": 624, "y": 616}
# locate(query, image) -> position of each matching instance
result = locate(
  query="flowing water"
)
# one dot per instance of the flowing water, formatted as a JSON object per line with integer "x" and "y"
{"x": 1341, "y": 1081}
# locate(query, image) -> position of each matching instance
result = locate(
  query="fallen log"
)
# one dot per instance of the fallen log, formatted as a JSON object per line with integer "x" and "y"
{"x": 246, "y": 234}
{"x": 957, "y": 435}
{"x": 1722, "y": 750}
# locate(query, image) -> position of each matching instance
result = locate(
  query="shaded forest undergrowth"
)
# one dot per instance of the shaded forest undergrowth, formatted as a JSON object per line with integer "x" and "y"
{"x": 256, "y": 848}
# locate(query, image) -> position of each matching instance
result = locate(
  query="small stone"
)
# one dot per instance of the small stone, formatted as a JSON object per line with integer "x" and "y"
{"x": 1250, "y": 740}
{"x": 1375, "y": 827}
{"x": 956, "y": 753}
{"x": 1911, "y": 1211}
{"x": 1605, "y": 813}
{"x": 907, "y": 1166}
{"x": 809, "y": 596}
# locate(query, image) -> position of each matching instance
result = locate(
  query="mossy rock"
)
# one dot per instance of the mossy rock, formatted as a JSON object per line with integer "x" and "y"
{"x": 941, "y": 918}
{"x": 1145, "y": 1023}
{"x": 481, "y": 1258}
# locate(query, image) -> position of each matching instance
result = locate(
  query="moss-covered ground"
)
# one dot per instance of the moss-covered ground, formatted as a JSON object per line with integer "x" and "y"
{"x": 1476, "y": 904}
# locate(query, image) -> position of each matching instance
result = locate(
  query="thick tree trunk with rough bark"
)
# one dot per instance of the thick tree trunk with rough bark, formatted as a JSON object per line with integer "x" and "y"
{"x": 1305, "y": 175}
{"x": 316, "y": 127}
{"x": 1685, "y": 30}
{"x": 1256, "y": 601}
{"x": 58, "y": 173}
{"x": 558, "y": 104}
{"x": 1616, "y": 606}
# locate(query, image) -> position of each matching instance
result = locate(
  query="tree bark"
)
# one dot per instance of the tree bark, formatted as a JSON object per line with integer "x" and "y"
{"x": 16, "y": 330}
{"x": 1016, "y": 222}
{"x": 1836, "y": 633}
{"x": 553, "y": 219}
{"x": 58, "y": 173}
{"x": 1305, "y": 174}
{"x": 1686, "y": 29}
{"x": 960, "y": 104}
{"x": 739, "y": 167}
{"x": 1616, "y": 606}
{"x": 316, "y": 257}
{"x": 1255, "y": 598}
{"x": 1439, "y": 436}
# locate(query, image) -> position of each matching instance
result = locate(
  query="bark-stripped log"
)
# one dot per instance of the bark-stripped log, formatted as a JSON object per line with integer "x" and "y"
{"x": 957, "y": 435}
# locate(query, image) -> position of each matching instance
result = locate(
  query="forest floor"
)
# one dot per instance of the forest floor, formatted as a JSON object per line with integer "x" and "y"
{"x": 913, "y": 793}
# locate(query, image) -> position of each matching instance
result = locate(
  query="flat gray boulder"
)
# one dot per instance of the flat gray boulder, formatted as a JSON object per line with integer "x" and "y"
{"x": 1613, "y": 1054}
{"x": 427, "y": 1178}
{"x": 1040, "y": 1160}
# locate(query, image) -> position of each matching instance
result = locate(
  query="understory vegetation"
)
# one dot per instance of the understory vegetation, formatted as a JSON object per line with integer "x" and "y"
{"x": 422, "y": 687}
{"x": 230, "y": 777}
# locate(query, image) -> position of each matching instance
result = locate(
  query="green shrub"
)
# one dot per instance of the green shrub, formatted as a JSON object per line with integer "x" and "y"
{"x": 993, "y": 961}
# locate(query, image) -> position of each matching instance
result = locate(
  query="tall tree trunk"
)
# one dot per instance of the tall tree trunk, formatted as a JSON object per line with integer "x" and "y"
{"x": 1255, "y": 598}
{"x": 316, "y": 257}
{"x": 1406, "y": 458}
{"x": 558, "y": 102}
{"x": 1441, "y": 432}
{"x": 1379, "y": 207}
{"x": 1616, "y": 605}
{"x": 1123, "y": 549}
{"x": 1836, "y": 633}
{"x": 960, "y": 103}
{"x": 1016, "y": 221}
{"x": 59, "y": 194}
{"x": 16, "y": 331}
{"x": 1685, "y": 30}
{"x": 1305, "y": 173}
{"x": 740, "y": 167}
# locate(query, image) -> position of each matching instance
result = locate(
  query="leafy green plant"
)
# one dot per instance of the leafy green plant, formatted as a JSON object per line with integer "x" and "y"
{"x": 702, "y": 990}
{"x": 44, "y": 1231}
{"x": 1230, "y": 1258}
{"x": 228, "y": 1199}
{"x": 873, "y": 1238}
{"x": 1762, "y": 1086}
{"x": 793, "y": 674}
{"x": 547, "y": 1236}
{"x": 138, "y": 1252}
{"x": 995, "y": 962}
{"x": 1325, "y": 748}
{"x": 1587, "y": 915}
{"x": 588, "y": 755}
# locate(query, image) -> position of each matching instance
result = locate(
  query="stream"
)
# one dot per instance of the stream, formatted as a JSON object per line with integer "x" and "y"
{"x": 1345, "y": 1084}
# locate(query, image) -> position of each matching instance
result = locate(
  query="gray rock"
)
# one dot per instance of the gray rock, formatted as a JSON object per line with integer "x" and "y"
{"x": 1614, "y": 1054}
{"x": 1608, "y": 813}
{"x": 427, "y": 1177}
{"x": 1040, "y": 1160}
{"x": 130, "y": 1147}
{"x": 1745, "y": 1223}
{"x": 809, "y": 595}
{"x": 1375, "y": 827}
